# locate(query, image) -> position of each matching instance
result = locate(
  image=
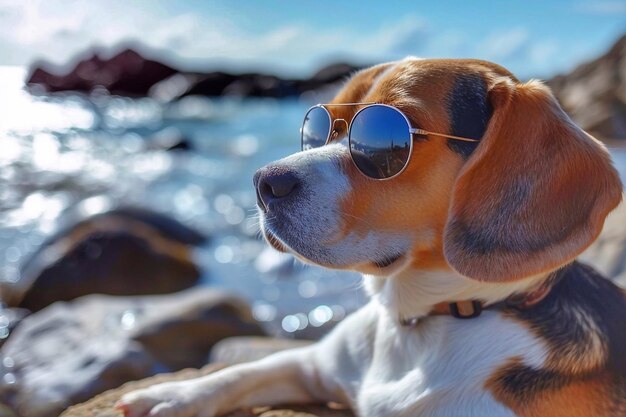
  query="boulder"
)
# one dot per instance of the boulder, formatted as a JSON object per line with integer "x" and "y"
{"x": 241, "y": 349}
{"x": 102, "y": 405}
{"x": 127, "y": 73}
{"x": 608, "y": 253}
{"x": 167, "y": 226}
{"x": 170, "y": 139}
{"x": 241, "y": 85}
{"x": 9, "y": 319}
{"x": 211, "y": 84}
{"x": 328, "y": 75}
{"x": 125, "y": 251}
{"x": 130, "y": 74}
{"x": 594, "y": 93}
{"x": 71, "y": 351}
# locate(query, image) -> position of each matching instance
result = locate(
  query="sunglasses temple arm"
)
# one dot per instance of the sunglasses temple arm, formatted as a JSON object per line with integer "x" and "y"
{"x": 426, "y": 132}
{"x": 367, "y": 103}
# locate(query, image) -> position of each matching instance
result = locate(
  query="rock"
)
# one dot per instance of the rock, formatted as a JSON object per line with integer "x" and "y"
{"x": 241, "y": 349}
{"x": 167, "y": 226}
{"x": 9, "y": 319}
{"x": 212, "y": 84}
{"x": 594, "y": 94}
{"x": 71, "y": 351}
{"x": 173, "y": 87}
{"x": 130, "y": 74}
{"x": 124, "y": 251}
{"x": 169, "y": 139}
{"x": 102, "y": 405}
{"x": 6, "y": 411}
{"x": 126, "y": 73}
{"x": 608, "y": 252}
{"x": 243, "y": 85}
{"x": 331, "y": 74}
{"x": 259, "y": 85}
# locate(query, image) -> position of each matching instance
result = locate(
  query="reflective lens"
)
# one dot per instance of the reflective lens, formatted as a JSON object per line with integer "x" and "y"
{"x": 380, "y": 141}
{"x": 315, "y": 128}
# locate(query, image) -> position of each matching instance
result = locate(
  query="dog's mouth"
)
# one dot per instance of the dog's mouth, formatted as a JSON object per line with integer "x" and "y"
{"x": 273, "y": 241}
{"x": 331, "y": 255}
{"x": 388, "y": 261}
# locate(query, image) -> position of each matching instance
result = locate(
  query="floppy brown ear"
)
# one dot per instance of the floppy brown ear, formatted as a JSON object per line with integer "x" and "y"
{"x": 533, "y": 195}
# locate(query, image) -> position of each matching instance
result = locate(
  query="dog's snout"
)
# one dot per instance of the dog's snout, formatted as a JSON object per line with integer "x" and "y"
{"x": 273, "y": 184}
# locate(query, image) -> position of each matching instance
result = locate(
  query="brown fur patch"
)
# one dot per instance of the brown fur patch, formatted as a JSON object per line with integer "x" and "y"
{"x": 556, "y": 396}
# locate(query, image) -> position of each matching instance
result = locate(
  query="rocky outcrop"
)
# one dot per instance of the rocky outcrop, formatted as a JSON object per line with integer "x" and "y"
{"x": 594, "y": 94}
{"x": 249, "y": 84}
{"x": 72, "y": 351}
{"x": 10, "y": 318}
{"x": 243, "y": 85}
{"x": 125, "y": 251}
{"x": 128, "y": 73}
{"x": 608, "y": 252}
{"x": 102, "y": 405}
{"x": 251, "y": 348}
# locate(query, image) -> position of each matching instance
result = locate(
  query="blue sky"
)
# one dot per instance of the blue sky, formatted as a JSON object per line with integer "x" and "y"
{"x": 532, "y": 38}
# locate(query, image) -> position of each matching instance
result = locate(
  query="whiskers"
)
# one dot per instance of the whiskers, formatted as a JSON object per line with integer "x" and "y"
{"x": 255, "y": 216}
{"x": 344, "y": 215}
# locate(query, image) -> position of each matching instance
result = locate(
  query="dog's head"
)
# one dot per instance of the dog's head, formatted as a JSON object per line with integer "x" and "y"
{"x": 528, "y": 197}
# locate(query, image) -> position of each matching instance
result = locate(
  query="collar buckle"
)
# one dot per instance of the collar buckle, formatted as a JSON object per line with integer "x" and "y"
{"x": 466, "y": 309}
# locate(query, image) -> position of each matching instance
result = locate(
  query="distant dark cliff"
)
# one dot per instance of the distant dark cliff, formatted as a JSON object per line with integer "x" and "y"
{"x": 128, "y": 73}
{"x": 594, "y": 93}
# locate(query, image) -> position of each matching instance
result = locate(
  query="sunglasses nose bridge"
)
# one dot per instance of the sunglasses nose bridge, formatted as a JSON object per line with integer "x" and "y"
{"x": 334, "y": 132}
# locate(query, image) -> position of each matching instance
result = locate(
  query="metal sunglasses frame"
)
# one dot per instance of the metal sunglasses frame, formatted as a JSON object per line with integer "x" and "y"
{"x": 411, "y": 129}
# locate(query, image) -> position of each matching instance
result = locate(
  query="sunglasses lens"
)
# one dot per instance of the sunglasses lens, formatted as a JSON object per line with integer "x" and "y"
{"x": 315, "y": 128}
{"x": 380, "y": 141}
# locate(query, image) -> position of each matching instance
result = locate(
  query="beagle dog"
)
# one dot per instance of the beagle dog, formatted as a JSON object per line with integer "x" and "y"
{"x": 478, "y": 306}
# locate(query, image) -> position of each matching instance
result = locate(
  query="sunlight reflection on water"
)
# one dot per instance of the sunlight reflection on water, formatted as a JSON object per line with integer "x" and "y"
{"x": 21, "y": 114}
{"x": 85, "y": 154}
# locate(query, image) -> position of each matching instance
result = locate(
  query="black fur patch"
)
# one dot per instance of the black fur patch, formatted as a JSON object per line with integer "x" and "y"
{"x": 579, "y": 292}
{"x": 470, "y": 111}
{"x": 476, "y": 240}
{"x": 507, "y": 230}
{"x": 524, "y": 382}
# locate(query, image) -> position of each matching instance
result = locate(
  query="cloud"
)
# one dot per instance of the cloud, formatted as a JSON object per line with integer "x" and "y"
{"x": 542, "y": 51}
{"x": 504, "y": 45}
{"x": 57, "y": 30}
{"x": 602, "y": 7}
{"x": 405, "y": 37}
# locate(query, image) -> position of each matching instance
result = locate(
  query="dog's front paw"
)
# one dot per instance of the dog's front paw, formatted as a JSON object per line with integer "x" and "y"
{"x": 171, "y": 399}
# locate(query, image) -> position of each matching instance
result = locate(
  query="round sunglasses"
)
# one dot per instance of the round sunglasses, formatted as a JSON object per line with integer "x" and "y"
{"x": 380, "y": 137}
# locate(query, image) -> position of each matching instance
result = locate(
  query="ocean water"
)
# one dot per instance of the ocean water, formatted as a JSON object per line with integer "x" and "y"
{"x": 83, "y": 153}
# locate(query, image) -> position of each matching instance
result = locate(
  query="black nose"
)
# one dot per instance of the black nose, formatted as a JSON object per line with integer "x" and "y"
{"x": 273, "y": 184}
